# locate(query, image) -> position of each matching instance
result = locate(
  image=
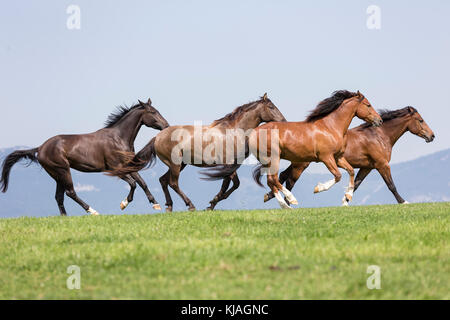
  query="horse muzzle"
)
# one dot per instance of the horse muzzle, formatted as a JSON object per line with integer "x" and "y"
{"x": 377, "y": 122}
{"x": 429, "y": 139}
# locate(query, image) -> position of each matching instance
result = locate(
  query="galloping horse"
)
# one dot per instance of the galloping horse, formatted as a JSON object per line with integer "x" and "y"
{"x": 370, "y": 148}
{"x": 94, "y": 152}
{"x": 166, "y": 143}
{"x": 321, "y": 138}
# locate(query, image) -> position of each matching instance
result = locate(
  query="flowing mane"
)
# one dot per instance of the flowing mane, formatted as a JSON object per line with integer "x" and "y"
{"x": 120, "y": 112}
{"x": 325, "y": 107}
{"x": 388, "y": 115}
{"x": 237, "y": 113}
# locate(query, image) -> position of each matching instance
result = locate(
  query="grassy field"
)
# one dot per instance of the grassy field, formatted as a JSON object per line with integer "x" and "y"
{"x": 300, "y": 254}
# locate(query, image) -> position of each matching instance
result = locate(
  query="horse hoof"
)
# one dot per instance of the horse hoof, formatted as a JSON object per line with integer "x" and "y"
{"x": 156, "y": 206}
{"x": 348, "y": 197}
{"x": 123, "y": 204}
{"x": 316, "y": 189}
{"x": 266, "y": 197}
{"x": 192, "y": 209}
{"x": 169, "y": 209}
{"x": 294, "y": 202}
{"x": 406, "y": 202}
{"x": 92, "y": 212}
{"x": 209, "y": 209}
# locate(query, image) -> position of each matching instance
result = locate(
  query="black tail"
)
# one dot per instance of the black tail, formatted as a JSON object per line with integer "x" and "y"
{"x": 224, "y": 170}
{"x": 143, "y": 159}
{"x": 220, "y": 172}
{"x": 12, "y": 159}
{"x": 257, "y": 175}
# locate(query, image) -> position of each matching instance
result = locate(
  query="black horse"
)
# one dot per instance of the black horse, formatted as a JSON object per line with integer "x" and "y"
{"x": 94, "y": 152}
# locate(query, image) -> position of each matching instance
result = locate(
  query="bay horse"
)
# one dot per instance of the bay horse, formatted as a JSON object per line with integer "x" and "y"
{"x": 370, "y": 148}
{"x": 94, "y": 152}
{"x": 321, "y": 138}
{"x": 165, "y": 145}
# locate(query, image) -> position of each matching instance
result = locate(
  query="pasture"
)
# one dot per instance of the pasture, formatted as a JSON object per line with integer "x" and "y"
{"x": 273, "y": 254}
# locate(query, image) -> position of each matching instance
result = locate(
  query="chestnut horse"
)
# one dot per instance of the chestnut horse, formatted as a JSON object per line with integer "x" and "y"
{"x": 94, "y": 152}
{"x": 195, "y": 150}
{"x": 321, "y": 138}
{"x": 370, "y": 148}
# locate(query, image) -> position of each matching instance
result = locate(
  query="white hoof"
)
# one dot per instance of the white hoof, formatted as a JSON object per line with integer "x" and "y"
{"x": 124, "y": 204}
{"x": 92, "y": 212}
{"x": 281, "y": 201}
{"x": 406, "y": 202}
{"x": 344, "y": 202}
{"x": 157, "y": 206}
{"x": 289, "y": 196}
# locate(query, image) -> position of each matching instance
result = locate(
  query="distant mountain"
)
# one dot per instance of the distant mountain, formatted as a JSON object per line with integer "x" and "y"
{"x": 31, "y": 191}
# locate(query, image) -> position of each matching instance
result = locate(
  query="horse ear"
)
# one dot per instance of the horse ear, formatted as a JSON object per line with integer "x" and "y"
{"x": 410, "y": 110}
{"x": 149, "y": 102}
{"x": 141, "y": 103}
{"x": 358, "y": 93}
{"x": 265, "y": 96}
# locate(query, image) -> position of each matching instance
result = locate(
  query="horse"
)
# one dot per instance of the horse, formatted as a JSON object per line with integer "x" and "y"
{"x": 166, "y": 146}
{"x": 93, "y": 152}
{"x": 320, "y": 138}
{"x": 370, "y": 148}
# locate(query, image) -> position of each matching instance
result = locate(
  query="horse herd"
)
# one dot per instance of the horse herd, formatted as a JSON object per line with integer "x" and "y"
{"x": 323, "y": 137}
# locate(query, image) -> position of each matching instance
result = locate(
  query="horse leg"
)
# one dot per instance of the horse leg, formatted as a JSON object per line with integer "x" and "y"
{"x": 343, "y": 163}
{"x": 136, "y": 176}
{"x": 360, "y": 176}
{"x": 290, "y": 176}
{"x": 130, "y": 196}
{"x": 66, "y": 180}
{"x": 236, "y": 183}
{"x": 173, "y": 183}
{"x": 225, "y": 184}
{"x": 385, "y": 172}
{"x": 331, "y": 165}
{"x": 164, "y": 181}
{"x": 276, "y": 187}
{"x": 59, "y": 197}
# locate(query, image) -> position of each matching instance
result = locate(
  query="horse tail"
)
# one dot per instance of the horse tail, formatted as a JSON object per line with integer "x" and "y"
{"x": 223, "y": 171}
{"x": 219, "y": 172}
{"x": 145, "y": 158}
{"x": 257, "y": 175}
{"x": 12, "y": 159}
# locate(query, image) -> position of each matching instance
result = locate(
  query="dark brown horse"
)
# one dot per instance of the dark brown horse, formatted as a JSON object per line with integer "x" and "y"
{"x": 204, "y": 146}
{"x": 94, "y": 152}
{"x": 370, "y": 148}
{"x": 321, "y": 138}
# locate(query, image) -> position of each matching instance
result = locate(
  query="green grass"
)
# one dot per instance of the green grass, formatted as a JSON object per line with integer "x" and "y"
{"x": 300, "y": 254}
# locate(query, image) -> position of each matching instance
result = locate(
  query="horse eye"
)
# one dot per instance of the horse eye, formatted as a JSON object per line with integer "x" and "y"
{"x": 421, "y": 120}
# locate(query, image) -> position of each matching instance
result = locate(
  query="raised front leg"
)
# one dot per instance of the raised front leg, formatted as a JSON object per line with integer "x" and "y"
{"x": 331, "y": 165}
{"x": 385, "y": 172}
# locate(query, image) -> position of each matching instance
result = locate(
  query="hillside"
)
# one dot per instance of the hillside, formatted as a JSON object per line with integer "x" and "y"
{"x": 31, "y": 193}
{"x": 320, "y": 253}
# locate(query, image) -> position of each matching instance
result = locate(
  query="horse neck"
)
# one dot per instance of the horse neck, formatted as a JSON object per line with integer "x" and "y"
{"x": 340, "y": 119}
{"x": 249, "y": 120}
{"x": 129, "y": 126}
{"x": 395, "y": 128}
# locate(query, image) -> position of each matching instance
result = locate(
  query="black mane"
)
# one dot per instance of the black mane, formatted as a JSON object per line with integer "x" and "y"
{"x": 232, "y": 116}
{"x": 325, "y": 107}
{"x": 120, "y": 112}
{"x": 388, "y": 115}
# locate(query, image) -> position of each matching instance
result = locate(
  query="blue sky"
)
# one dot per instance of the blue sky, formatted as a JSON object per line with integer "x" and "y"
{"x": 198, "y": 60}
